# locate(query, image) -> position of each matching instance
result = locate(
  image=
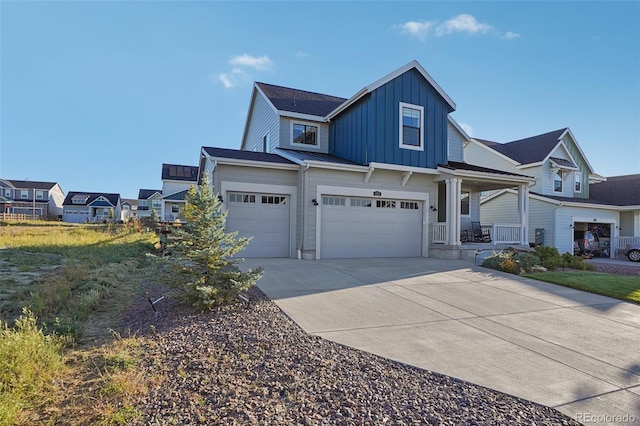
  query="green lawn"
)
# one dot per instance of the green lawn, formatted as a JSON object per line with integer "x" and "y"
{"x": 621, "y": 287}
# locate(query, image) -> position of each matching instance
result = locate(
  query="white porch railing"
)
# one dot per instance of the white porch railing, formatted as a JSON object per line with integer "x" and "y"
{"x": 439, "y": 233}
{"x": 501, "y": 233}
{"x": 623, "y": 241}
{"x": 171, "y": 217}
{"x": 504, "y": 233}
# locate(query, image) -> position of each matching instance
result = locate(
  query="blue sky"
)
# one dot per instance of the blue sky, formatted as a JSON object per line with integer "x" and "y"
{"x": 97, "y": 95}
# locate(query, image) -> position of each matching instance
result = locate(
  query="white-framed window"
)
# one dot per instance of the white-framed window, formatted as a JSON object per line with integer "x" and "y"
{"x": 411, "y": 126}
{"x": 409, "y": 205}
{"x": 7, "y": 193}
{"x": 143, "y": 203}
{"x": 464, "y": 203}
{"x": 126, "y": 207}
{"x": 236, "y": 197}
{"x": 39, "y": 195}
{"x": 24, "y": 194}
{"x": 175, "y": 208}
{"x": 304, "y": 134}
{"x": 557, "y": 181}
{"x": 577, "y": 179}
{"x": 386, "y": 204}
{"x": 360, "y": 202}
{"x": 333, "y": 201}
{"x": 265, "y": 142}
{"x": 156, "y": 204}
{"x": 274, "y": 199}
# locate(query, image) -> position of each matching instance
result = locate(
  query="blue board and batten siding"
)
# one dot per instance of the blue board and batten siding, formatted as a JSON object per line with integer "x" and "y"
{"x": 368, "y": 131}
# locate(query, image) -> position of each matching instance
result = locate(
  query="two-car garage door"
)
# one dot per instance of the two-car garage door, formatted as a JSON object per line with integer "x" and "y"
{"x": 364, "y": 227}
{"x": 350, "y": 227}
{"x": 265, "y": 217}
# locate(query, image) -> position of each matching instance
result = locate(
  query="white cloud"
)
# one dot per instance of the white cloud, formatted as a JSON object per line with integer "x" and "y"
{"x": 418, "y": 29}
{"x": 301, "y": 54}
{"x": 238, "y": 74}
{"x": 260, "y": 63}
{"x": 232, "y": 79}
{"x": 463, "y": 23}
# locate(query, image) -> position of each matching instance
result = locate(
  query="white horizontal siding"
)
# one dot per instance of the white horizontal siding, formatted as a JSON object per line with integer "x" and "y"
{"x": 481, "y": 156}
{"x": 456, "y": 150}
{"x": 263, "y": 120}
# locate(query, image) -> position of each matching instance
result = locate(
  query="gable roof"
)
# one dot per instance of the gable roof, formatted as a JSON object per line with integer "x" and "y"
{"x": 239, "y": 154}
{"x": 528, "y": 150}
{"x": 89, "y": 198}
{"x": 144, "y": 194}
{"x": 387, "y": 78}
{"x": 30, "y": 184}
{"x": 617, "y": 190}
{"x": 178, "y": 196}
{"x": 457, "y": 165}
{"x": 299, "y": 101}
{"x": 179, "y": 172}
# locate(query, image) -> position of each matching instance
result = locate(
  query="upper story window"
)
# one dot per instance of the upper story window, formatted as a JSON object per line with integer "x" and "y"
{"x": 39, "y": 195}
{"x": 577, "y": 186}
{"x": 411, "y": 126}
{"x": 24, "y": 194}
{"x": 156, "y": 204}
{"x": 557, "y": 181}
{"x": 304, "y": 134}
{"x": 7, "y": 193}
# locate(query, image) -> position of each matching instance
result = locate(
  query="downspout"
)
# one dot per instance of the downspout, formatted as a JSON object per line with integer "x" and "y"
{"x": 304, "y": 209}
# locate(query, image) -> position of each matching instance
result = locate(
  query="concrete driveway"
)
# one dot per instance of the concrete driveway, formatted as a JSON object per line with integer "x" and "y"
{"x": 574, "y": 351}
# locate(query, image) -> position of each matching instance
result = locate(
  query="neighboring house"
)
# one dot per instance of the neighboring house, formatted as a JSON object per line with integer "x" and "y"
{"x": 562, "y": 207}
{"x": 380, "y": 174}
{"x": 176, "y": 182}
{"x": 42, "y": 199}
{"x": 129, "y": 209}
{"x": 149, "y": 200}
{"x": 91, "y": 207}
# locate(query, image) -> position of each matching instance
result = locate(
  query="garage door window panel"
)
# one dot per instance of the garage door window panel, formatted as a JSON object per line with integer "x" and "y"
{"x": 333, "y": 201}
{"x": 274, "y": 199}
{"x": 386, "y": 204}
{"x": 361, "y": 202}
{"x": 242, "y": 198}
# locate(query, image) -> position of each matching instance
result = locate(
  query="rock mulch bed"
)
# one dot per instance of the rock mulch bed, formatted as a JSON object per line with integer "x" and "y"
{"x": 614, "y": 268}
{"x": 253, "y": 365}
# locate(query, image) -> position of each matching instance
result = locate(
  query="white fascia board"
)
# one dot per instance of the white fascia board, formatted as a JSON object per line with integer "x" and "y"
{"x": 455, "y": 124}
{"x": 591, "y": 206}
{"x": 336, "y": 166}
{"x": 488, "y": 176}
{"x": 496, "y": 153}
{"x": 360, "y": 93}
{"x": 596, "y": 178}
{"x": 387, "y": 78}
{"x": 201, "y": 167}
{"x": 251, "y": 163}
{"x": 575, "y": 141}
{"x": 530, "y": 165}
{"x": 300, "y": 116}
{"x": 561, "y": 144}
{"x": 289, "y": 157}
{"x": 400, "y": 168}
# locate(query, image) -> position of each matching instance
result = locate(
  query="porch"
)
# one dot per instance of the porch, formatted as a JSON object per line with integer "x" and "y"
{"x": 502, "y": 237}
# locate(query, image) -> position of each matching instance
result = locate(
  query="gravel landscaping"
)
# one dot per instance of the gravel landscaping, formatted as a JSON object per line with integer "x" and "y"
{"x": 252, "y": 365}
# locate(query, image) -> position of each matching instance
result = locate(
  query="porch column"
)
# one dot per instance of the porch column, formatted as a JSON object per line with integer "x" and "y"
{"x": 523, "y": 212}
{"x": 453, "y": 187}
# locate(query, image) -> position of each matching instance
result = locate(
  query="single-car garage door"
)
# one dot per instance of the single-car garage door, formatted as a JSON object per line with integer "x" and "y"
{"x": 265, "y": 217}
{"x": 363, "y": 227}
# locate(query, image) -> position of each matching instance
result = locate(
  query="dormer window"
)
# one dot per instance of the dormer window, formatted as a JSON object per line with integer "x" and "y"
{"x": 304, "y": 134}
{"x": 411, "y": 126}
{"x": 557, "y": 181}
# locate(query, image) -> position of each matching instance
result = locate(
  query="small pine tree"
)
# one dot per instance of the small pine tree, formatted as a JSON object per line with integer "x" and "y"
{"x": 203, "y": 252}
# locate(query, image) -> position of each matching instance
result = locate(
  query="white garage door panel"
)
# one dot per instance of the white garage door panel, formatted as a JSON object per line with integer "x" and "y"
{"x": 268, "y": 224}
{"x": 349, "y": 232}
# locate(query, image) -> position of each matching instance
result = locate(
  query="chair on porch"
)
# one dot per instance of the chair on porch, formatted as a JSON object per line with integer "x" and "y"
{"x": 480, "y": 236}
{"x": 464, "y": 236}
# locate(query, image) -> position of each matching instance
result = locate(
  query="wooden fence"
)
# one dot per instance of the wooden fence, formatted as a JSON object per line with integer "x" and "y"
{"x": 18, "y": 217}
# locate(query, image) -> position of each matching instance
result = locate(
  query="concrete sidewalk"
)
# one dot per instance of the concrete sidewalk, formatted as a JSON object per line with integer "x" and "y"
{"x": 574, "y": 351}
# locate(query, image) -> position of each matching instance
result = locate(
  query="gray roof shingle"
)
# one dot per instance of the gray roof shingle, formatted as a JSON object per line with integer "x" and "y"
{"x": 30, "y": 184}
{"x": 143, "y": 194}
{"x": 529, "y": 150}
{"x": 300, "y": 101}
{"x": 239, "y": 154}
{"x": 617, "y": 190}
{"x": 316, "y": 156}
{"x": 92, "y": 196}
{"x": 456, "y": 165}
